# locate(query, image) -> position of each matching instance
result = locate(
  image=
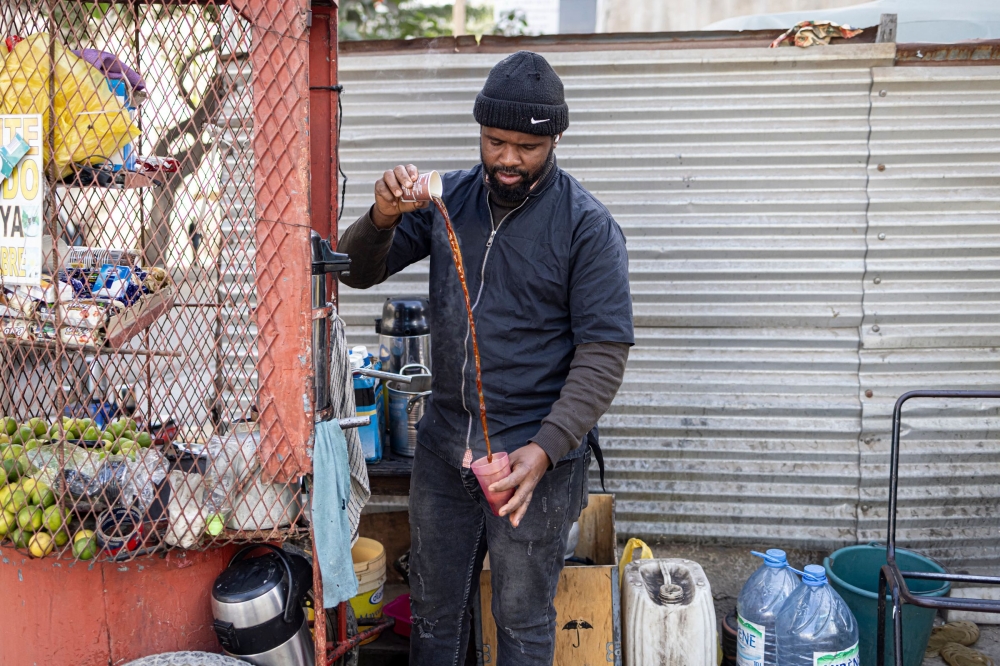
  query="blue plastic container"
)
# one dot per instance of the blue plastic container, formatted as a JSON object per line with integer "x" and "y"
{"x": 366, "y": 404}
{"x": 125, "y": 157}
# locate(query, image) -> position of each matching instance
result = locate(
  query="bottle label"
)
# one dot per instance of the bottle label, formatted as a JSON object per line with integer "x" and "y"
{"x": 848, "y": 657}
{"x": 750, "y": 643}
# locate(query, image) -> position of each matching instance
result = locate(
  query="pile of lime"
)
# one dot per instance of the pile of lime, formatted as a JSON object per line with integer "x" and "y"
{"x": 30, "y": 518}
{"x": 120, "y": 437}
{"x": 29, "y": 514}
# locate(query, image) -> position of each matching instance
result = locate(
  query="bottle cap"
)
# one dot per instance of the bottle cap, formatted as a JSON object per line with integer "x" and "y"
{"x": 814, "y": 575}
{"x": 774, "y": 558}
{"x": 360, "y": 350}
{"x": 356, "y": 362}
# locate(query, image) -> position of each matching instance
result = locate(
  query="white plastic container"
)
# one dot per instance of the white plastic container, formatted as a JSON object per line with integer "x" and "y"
{"x": 757, "y": 607}
{"x": 669, "y": 614}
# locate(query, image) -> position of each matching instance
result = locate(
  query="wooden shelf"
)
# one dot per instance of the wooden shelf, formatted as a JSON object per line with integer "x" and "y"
{"x": 133, "y": 181}
{"x": 121, "y": 329}
{"x": 103, "y": 351}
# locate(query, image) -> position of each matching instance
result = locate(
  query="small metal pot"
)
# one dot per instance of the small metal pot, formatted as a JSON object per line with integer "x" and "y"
{"x": 405, "y": 411}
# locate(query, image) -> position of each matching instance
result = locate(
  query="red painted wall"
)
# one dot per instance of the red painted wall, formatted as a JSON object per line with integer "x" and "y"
{"x": 57, "y": 612}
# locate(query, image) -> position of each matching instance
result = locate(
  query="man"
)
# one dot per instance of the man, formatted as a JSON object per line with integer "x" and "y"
{"x": 547, "y": 274}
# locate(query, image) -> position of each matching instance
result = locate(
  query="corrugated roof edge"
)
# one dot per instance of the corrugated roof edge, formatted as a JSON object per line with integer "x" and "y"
{"x": 978, "y": 52}
{"x": 698, "y": 39}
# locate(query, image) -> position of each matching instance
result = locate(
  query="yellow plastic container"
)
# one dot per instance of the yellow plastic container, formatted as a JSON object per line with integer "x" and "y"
{"x": 369, "y": 567}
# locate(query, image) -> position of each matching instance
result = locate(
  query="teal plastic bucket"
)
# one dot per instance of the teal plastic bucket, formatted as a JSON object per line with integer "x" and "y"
{"x": 853, "y": 572}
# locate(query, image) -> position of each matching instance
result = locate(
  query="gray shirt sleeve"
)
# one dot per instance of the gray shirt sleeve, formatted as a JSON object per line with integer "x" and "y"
{"x": 368, "y": 246}
{"x": 595, "y": 374}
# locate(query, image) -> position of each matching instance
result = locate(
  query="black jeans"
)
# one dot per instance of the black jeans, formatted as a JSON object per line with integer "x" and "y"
{"x": 451, "y": 528}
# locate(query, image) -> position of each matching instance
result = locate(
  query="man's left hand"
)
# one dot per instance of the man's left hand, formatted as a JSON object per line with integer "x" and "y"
{"x": 527, "y": 466}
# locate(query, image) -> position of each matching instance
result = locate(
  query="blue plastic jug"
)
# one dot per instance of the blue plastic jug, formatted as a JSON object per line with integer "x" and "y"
{"x": 367, "y": 402}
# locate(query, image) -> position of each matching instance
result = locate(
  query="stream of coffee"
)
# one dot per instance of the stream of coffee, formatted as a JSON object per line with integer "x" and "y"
{"x": 456, "y": 255}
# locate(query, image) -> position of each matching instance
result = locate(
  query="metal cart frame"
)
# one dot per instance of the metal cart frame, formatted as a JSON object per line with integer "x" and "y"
{"x": 890, "y": 577}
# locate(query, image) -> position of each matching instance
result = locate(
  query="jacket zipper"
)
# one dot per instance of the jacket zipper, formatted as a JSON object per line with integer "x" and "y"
{"x": 489, "y": 244}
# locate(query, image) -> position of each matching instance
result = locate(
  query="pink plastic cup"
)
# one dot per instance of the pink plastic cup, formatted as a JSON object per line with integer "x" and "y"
{"x": 488, "y": 473}
{"x": 428, "y": 186}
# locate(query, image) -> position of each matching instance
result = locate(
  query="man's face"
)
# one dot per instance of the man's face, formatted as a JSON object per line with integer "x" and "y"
{"x": 514, "y": 161}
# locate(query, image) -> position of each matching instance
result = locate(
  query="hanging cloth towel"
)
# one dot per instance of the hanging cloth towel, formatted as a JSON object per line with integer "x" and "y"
{"x": 342, "y": 398}
{"x": 331, "y": 524}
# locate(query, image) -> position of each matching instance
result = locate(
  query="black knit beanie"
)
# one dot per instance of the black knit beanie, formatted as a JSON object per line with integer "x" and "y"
{"x": 523, "y": 94}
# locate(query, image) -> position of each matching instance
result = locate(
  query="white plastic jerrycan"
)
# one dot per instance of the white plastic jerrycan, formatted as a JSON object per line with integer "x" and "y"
{"x": 669, "y": 614}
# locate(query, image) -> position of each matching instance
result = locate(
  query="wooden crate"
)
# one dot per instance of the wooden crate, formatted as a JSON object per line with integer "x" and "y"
{"x": 588, "y": 615}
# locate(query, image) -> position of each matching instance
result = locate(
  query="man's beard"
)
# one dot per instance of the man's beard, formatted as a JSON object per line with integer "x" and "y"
{"x": 515, "y": 194}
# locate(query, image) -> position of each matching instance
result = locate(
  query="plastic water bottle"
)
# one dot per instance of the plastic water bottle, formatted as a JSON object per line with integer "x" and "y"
{"x": 815, "y": 627}
{"x": 366, "y": 404}
{"x": 757, "y": 607}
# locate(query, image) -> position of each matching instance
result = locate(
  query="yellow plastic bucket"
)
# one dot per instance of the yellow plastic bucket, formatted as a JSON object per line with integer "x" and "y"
{"x": 369, "y": 567}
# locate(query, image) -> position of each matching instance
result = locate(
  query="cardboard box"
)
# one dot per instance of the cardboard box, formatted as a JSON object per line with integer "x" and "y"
{"x": 133, "y": 320}
{"x": 588, "y": 614}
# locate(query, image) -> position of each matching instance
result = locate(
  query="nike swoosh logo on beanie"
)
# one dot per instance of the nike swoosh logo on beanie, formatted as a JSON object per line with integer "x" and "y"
{"x": 535, "y": 122}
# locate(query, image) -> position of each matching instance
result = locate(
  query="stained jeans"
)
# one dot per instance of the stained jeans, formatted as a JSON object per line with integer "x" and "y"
{"x": 451, "y": 528}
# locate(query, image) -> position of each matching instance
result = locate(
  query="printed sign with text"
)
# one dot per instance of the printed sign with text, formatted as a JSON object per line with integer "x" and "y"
{"x": 21, "y": 197}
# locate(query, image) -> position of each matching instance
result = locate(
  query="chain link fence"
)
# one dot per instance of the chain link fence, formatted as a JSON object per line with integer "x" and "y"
{"x": 154, "y": 265}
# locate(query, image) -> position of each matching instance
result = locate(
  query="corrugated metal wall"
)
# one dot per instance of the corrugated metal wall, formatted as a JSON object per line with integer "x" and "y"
{"x": 932, "y": 307}
{"x": 739, "y": 177}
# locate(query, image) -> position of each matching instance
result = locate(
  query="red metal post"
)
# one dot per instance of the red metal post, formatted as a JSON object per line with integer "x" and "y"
{"x": 323, "y": 200}
{"x": 319, "y": 610}
{"x": 323, "y": 98}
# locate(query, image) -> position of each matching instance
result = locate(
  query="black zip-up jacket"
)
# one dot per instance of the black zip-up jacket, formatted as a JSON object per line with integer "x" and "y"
{"x": 552, "y": 275}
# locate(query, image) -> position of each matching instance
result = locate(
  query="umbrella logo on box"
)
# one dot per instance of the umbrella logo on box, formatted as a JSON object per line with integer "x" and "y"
{"x": 578, "y": 625}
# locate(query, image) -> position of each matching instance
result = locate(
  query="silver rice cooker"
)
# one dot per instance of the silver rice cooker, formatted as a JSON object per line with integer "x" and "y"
{"x": 258, "y": 607}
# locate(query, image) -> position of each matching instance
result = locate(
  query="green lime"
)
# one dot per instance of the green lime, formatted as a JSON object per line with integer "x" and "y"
{"x": 39, "y": 426}
{"x": 18, "y": 499}
{"x": 23, "y": 434}
{"x": 144, "y": 439}
{"x": 61, "y": 537}
{"x": 20, "y": 538}
{"x": 84, "y": 545}
{"x": 43, "y": 496}
{"x": 29, "y": 519}
{"x": 52, "y": 518}
{"x": 8, "y": 425}
{"x": 12, "y": 469}
{"x": 8, "y": 522}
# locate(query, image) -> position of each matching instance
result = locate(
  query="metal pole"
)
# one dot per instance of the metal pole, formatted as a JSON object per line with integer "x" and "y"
{"x": 880, "y": 640}
{"x": 458, "y": 18}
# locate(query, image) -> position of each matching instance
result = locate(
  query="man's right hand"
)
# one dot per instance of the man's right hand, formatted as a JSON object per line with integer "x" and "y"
{"x": 388, "y": 190}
